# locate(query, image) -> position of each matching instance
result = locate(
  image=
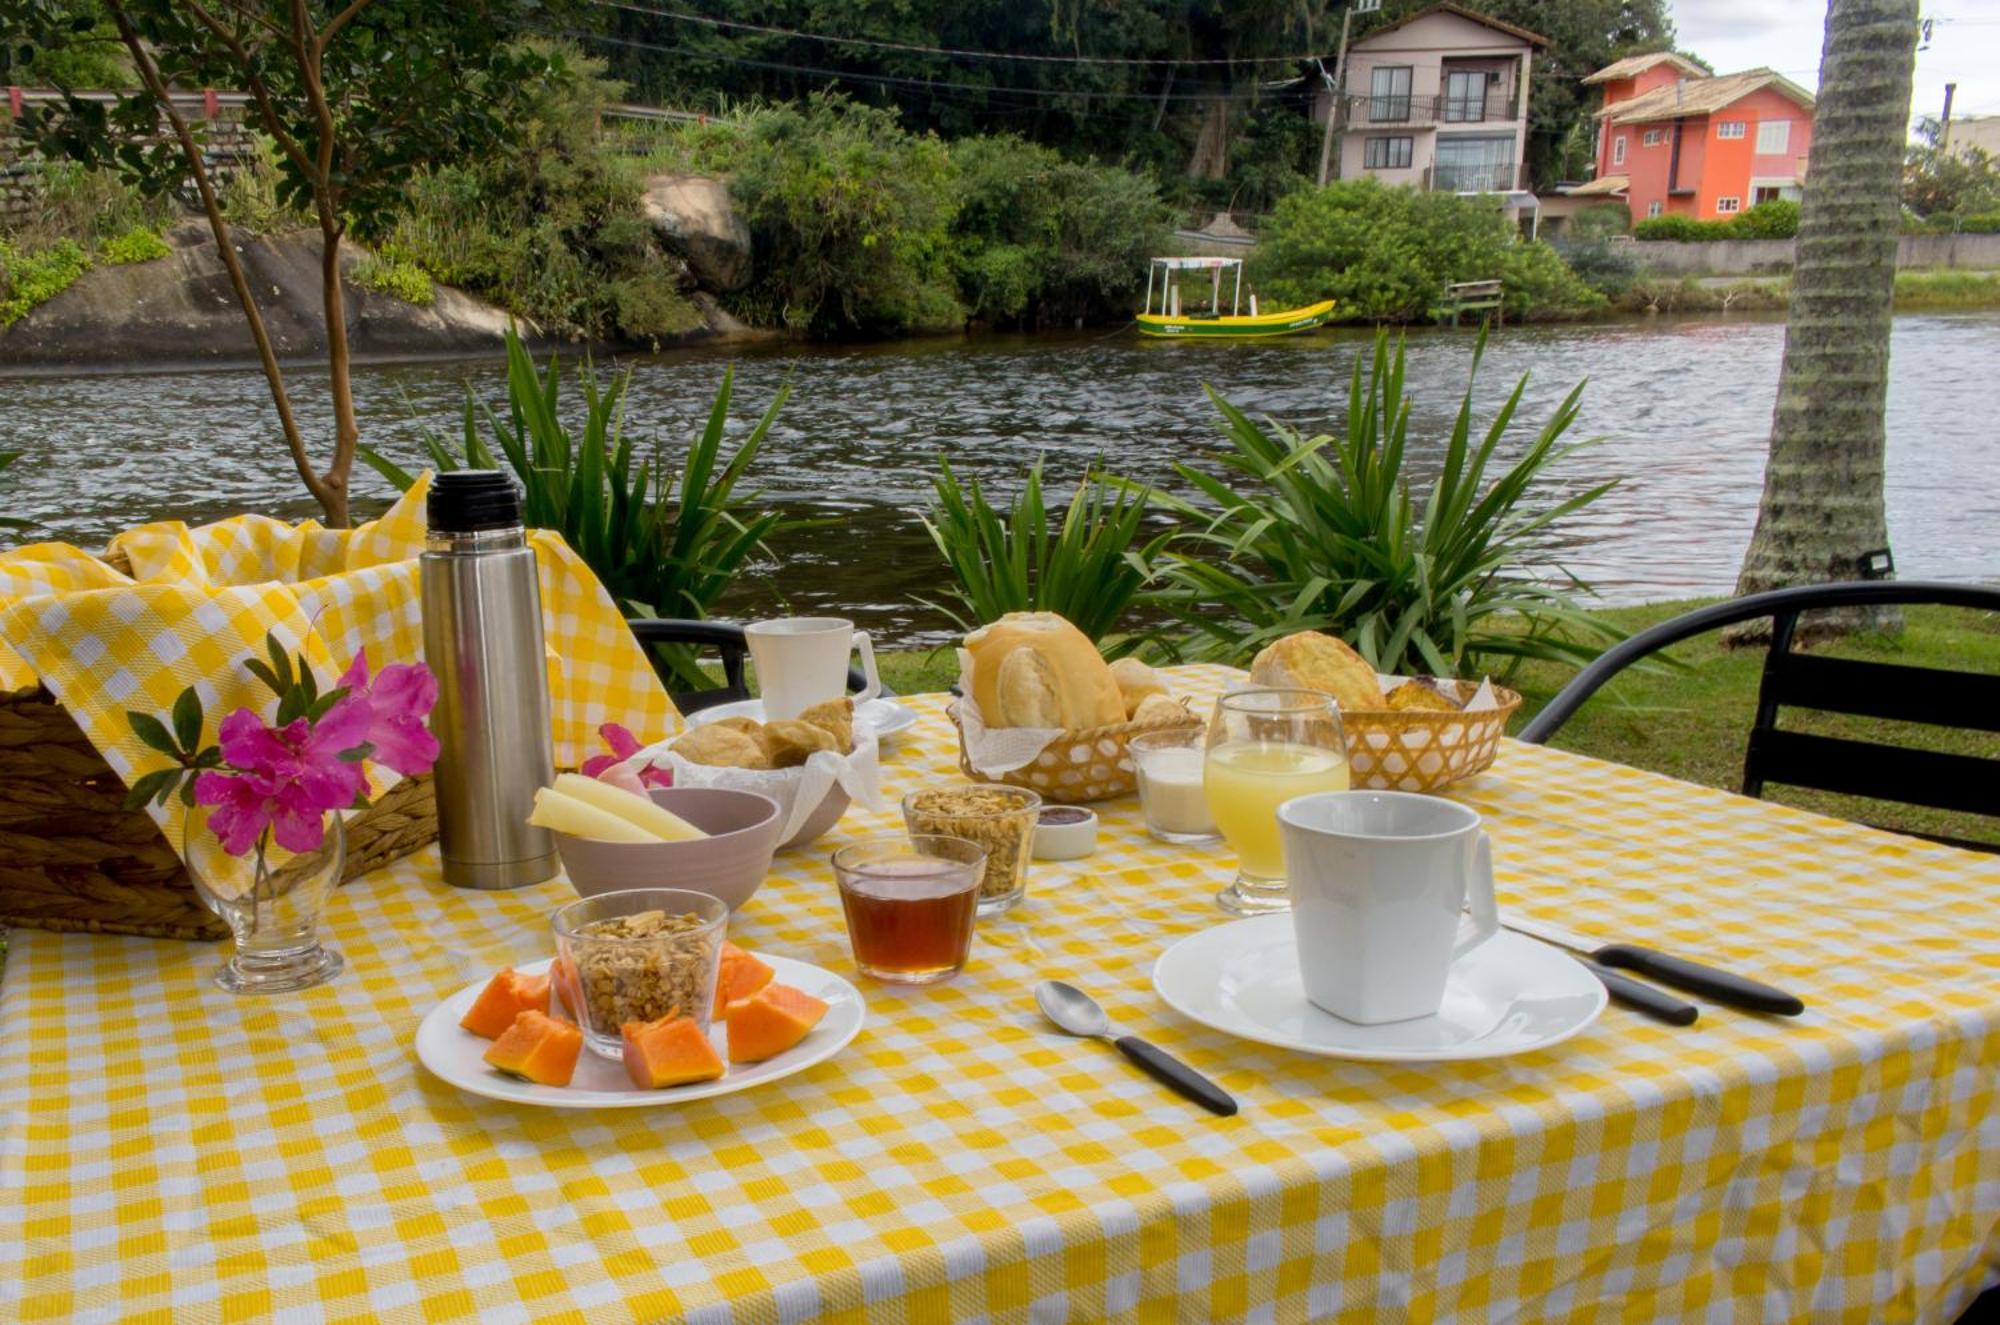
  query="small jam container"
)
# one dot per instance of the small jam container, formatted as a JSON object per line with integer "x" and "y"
{"x": 1065, "y": 832}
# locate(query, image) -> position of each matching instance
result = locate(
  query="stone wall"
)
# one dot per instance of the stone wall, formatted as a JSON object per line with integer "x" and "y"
{"x": 1773, "y": 257}
{"x": 226, "y": 143}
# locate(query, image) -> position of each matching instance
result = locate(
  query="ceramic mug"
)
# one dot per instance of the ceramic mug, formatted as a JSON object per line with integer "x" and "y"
{"x": 802, "y": 661}
{"x": 1388, "y": 890}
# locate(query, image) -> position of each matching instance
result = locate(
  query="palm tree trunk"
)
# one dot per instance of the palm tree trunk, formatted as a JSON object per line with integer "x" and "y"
{"x": 1822, "y": 509}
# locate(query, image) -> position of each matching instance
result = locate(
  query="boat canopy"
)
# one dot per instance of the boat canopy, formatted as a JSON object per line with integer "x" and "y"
{"x": 1161, "y": 270}
{"x": 1197, "y": 264}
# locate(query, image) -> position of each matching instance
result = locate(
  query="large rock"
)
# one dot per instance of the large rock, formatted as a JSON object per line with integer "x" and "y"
{"x": 694, "y": 218}
{"x": 182, "y": 308}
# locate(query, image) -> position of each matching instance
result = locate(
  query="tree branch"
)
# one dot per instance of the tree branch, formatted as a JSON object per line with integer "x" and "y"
{"x": 339, "y": 22}
{"x": 255, "y": 81}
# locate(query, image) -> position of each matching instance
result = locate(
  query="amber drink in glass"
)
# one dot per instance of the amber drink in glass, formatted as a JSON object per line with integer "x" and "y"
{"x": 910, "y": 904}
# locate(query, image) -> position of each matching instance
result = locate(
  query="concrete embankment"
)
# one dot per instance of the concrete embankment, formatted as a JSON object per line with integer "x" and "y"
{"x": 1773, "y": 257}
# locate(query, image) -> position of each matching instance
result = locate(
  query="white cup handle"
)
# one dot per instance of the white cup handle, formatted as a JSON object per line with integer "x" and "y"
{"x": 1483, "y": 911}
{"x": 874, "y": 686}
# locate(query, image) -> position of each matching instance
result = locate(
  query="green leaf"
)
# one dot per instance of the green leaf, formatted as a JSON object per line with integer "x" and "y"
{"x": 402, "y": 478}
{"x": 151, "y": 786}
{"x": 357, "y": 754}
{"x": 153, "y": 733}
{"x": 188, "y": 719}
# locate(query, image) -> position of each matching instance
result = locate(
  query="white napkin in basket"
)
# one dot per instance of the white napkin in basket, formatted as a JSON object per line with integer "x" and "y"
{"x": 798, "y": 791}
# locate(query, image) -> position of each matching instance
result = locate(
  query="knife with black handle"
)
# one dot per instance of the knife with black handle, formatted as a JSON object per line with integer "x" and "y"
{"x": 1719, "y": 986}
{"x": 1642, "y": 997}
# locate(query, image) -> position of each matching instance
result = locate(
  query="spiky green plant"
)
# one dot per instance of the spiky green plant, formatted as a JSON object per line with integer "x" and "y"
{"x": 1001, "y": 562}
{"x": 1324, "y": 533}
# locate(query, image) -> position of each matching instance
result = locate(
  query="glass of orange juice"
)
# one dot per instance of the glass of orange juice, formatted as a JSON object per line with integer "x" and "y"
{"x": 1266, "y": 746}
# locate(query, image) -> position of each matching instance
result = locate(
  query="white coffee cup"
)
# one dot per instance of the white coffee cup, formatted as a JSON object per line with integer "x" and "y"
{"x": 802, "y": 661}
{"x": 1389, "y": 889}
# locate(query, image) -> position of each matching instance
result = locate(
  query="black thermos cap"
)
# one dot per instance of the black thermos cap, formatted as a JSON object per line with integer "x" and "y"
{"x": 470, "y": 501}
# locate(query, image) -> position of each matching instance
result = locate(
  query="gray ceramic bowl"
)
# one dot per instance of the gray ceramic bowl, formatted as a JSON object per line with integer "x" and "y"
{"x": 730, "y": 863}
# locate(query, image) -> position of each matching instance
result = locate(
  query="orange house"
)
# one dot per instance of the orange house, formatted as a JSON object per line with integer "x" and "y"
{"x": 1674, "y": 140}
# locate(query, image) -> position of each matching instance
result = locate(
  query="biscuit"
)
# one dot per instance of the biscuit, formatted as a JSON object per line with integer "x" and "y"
{"x": 789, "y": 742}
{"x": 721, "y": 747}
{"x": 836, "y": 718}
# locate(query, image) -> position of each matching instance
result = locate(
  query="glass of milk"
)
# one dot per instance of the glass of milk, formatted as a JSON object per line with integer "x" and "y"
{"x": 1171, "y": 795}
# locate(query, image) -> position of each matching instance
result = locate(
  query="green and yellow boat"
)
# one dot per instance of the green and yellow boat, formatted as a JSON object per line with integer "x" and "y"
{"x": 1170, "y": 321}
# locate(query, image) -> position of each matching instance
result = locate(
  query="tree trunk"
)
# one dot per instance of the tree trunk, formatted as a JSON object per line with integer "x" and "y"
{"x": 1822, "y": 510}
{"x": 346, "y": 432}
{"x": 1210, "y": 158}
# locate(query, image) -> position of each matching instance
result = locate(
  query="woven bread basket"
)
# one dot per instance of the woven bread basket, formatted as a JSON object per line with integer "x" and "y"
{"x": 1425, "y": 749}
{"x": 72, "y": 857}
{"x": 1081, "y": 766}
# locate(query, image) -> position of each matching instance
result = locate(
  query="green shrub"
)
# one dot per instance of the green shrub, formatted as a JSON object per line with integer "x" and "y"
{"x": 1386, "y": 254}
{"x": 139, "y": 244}
{"x": 31, "y": 278}
{"x": 1327, "y": 533}
{"x": 1775, "y": 219}
{"x": 1008, "y": 562}
{"x": 392, "y": 273}
{"x": 664, "y": 544}
{"x": 1682, "y": 229}
{"x": 1599, "y": 222}
{"x": 1986, "y": 223}
{"x": 249, "y": 193}
{"x": 72, "y": 201}
{"x": 1605, "y": 267}
{"x": 1947, "y": 289}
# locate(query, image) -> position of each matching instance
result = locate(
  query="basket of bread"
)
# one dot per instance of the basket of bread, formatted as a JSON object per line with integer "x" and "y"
{"x": 813, "y": 765}
{"x": 1040, "y": 708}
{"x": 1415, "y": 733}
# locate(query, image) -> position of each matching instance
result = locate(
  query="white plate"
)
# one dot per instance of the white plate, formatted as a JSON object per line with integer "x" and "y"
{"x": 1507, "y": 996}
{"x": 458, "y": 1056}
{"x": 885, "y": 716}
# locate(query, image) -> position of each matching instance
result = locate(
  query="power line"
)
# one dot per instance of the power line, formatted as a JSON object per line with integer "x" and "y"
{"x": 995, "y": 88}
{"x": 959, "y": 52}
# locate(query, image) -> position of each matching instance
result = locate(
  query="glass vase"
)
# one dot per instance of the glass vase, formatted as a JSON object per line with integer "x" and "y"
{"x": 271, "y": 899}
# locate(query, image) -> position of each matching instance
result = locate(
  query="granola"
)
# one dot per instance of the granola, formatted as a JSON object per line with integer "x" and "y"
{"x": 657, "y": 965}
{"x": 1001, "y": 819}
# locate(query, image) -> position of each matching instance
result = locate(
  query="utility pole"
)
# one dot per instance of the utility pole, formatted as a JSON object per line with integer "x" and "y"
{"x": 1340, "y": 85}
{"x": 1944, "y": 125}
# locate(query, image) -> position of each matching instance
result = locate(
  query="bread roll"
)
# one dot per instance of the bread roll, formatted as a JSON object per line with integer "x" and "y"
{"x": 1312, "y": 661}
{"x": 1034, "y": 669}
{"x": 1136, "y": 681}
{"x": 836, "y": 718}
{"x": 1161, "y": 709}
{"x": 788, "y": 742}
{"x": 1421, "y": 693}
{"x": 721, "y": 747}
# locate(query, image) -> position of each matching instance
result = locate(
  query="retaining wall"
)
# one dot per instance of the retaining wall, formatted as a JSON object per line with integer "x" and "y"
{"x": 1765, "y": 257}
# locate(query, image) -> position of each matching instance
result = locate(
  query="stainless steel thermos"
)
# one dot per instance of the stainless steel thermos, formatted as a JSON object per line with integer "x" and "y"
{"x": 482, "y": 608}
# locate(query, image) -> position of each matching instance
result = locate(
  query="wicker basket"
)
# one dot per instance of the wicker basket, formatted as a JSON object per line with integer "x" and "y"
{"x": 1083, "y": 766}
{"x": 1425, "y": 749}
{"x": 73, "y": 858}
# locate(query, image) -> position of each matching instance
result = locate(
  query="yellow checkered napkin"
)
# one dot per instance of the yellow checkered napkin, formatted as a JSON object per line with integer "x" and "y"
{"x": 199, "y": 601}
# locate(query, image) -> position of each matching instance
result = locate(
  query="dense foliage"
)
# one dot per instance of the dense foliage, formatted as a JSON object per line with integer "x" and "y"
{"x": 1776, "y": 219}
{"x": 139, "y": 244}
{"x": 31, "y": 278}
{"x": 1955, "y": 188}
{"x": 1386, "y": 254}
{"x": 1329, "y": 533}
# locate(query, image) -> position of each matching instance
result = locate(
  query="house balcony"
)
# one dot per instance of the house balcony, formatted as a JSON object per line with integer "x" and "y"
{"x": 1411, "y": 112}
{"x": 1504, "y": 177}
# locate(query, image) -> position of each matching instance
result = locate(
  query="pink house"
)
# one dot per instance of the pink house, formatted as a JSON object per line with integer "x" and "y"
{"x": 1438, "y": 99}
{"x": 1674, "y": 140}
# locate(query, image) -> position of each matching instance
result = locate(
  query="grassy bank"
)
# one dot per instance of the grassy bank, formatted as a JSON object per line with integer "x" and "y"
{"x": 1916, "y": 291}
{"x": 1691, "y": 722}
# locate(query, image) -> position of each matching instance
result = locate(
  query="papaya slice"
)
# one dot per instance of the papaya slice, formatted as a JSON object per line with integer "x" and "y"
{"x": 739, "y": 975}
{"x": 537, "y": 1048}
{"x": 770, "y": 1021}
{"x": 568, "y": 1000}
{"x": 505, "y": 997}
{"x": 672, "y": 1051}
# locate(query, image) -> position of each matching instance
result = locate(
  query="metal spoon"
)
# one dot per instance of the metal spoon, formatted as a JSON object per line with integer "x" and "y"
{"x": 1079, "y": 1014}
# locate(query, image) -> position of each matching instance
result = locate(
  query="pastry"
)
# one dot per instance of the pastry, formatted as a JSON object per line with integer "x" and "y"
{"x": 1312, "y": 661}
{"x": 836, "y": 718}
{"x": 789, "y": 742}
{"x": 721, "y": 747}
{"x": 1421, "y": 693}
{"x": 1035, "y": 669}
{"x": 1161, "y": 709}
{"x": 748, "y": 726}
{"x": 1136, "y": 682}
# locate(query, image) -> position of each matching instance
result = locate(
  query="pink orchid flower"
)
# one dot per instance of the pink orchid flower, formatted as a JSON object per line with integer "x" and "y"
{"x": 398, "y": 702}
{"x": 289, "y": 777}
{"x": 612, "y": 767}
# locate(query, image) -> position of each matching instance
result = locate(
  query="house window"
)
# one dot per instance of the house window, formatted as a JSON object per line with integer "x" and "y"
{"x": 1618, "y": 150}
{"x": 1465, "y": 96}
{"x": 1386, "y": 153}
{"x": 1389, "y": 94}
{"x": 1725, "y": 206}
{"x": 1653, "y": 138}
{"x": 1729, "y": 129}
{"x": 1655, "y": 208}
{"x": 1765, "y": 193}
{"x": 1774, "y": 137}
{"x": 1469, "y": 163}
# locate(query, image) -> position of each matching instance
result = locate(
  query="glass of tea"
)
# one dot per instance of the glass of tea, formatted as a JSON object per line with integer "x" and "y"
{"x": 910, "y": 903}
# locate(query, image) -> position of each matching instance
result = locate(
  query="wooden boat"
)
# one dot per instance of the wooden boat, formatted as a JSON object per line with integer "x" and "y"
{"x": 1170, "y": 321}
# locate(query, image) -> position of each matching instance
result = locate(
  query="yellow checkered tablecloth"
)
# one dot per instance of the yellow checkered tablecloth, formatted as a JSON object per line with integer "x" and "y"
{"x": 170, "y": 1153}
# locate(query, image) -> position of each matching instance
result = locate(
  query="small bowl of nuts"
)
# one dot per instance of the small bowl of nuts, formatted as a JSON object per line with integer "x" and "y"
{"x": 637, "y": 955}
{"x": 999, "y": 818}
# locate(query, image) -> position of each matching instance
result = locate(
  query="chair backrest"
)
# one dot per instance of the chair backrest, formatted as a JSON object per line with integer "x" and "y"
{"x": 1891, "y": 691}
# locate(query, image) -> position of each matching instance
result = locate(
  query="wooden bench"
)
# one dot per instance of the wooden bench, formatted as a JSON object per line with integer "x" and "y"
{"x": 1470, "y": 297}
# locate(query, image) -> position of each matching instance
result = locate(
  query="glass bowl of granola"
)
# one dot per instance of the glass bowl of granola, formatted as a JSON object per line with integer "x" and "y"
{"x": 637, "y": 955}
{"x": 999, "y": 818}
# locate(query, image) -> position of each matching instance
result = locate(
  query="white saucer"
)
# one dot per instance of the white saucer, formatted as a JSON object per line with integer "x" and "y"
{"x": 885, "y": 716}
{"x": 458, "y": 1056}
{"x": 1507, "y": 996}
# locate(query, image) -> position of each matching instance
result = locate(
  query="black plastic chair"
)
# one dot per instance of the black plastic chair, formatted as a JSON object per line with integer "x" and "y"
{"x": 726, "y": 638}
{"x": 1962, "y": 700}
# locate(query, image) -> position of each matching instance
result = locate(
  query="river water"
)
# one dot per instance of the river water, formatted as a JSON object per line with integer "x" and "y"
{"x": 1681, "y": 407}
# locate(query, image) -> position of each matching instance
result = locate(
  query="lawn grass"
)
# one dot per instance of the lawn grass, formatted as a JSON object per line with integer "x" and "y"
{"x": 1691, "y": 722}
